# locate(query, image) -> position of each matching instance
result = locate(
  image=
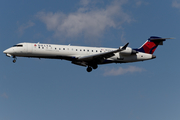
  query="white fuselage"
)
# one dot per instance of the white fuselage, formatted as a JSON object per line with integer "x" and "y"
{"x": 69, "y": 52}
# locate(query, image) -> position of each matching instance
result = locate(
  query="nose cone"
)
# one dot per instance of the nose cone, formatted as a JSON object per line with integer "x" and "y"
{"x": 8, "y": 52}
{"x": 5, "y": 51}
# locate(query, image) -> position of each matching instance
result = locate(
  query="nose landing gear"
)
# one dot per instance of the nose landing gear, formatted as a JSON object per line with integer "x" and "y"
{"x": 14, "y": 59}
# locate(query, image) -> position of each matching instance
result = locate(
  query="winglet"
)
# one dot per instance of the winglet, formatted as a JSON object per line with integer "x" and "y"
{"x": 124, "y": 47}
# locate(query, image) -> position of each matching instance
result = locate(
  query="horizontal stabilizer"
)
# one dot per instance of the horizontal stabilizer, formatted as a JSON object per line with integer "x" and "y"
{"x": 158, "y": 40}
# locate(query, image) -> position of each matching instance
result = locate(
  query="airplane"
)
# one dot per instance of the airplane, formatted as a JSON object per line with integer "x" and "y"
{"x": 89, "y": 57}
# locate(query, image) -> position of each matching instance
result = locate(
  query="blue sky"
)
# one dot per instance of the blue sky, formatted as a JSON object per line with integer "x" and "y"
{"x": 56, "y": 89}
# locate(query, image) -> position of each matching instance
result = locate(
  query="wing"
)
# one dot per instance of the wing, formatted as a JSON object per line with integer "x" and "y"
{"x": 102, "y": 55}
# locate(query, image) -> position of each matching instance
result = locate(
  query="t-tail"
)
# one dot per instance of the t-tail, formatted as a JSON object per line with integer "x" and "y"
{"x": 151, "y": 44}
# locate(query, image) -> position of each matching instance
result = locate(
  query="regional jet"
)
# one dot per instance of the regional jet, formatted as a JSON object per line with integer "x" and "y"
{"x": 89, "y": 57}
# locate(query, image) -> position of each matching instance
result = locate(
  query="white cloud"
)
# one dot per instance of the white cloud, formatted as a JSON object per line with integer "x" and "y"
{"x": 121, "y": 71}
{"x": 4, "y": 95}
{"x": 86, "y": 22}
{"x": 23, "y": 27}
{"x": 140, "y": 3}
{"x": 176, "y": 4}
{"x": 85, "y": 2}
{"x": 123, "y": 39}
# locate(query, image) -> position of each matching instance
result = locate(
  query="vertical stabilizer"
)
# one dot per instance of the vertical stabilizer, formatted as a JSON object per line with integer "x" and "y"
{"x": 151, "y": 44}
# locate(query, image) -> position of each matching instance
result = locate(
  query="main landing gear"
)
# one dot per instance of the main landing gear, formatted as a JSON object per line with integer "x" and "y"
{"x": 14, "y": 59}
{"x": 89, "y": 68}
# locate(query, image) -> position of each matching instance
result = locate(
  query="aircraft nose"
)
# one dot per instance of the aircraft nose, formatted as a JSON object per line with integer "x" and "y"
{"x": 5, "y": 51}
{"x": 9, "y": 50}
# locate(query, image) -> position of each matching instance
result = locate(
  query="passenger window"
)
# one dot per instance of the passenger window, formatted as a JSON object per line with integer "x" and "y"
{"x": 63, "y": 48}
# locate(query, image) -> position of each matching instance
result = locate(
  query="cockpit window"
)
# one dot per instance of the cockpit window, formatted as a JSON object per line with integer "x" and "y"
{"x": 18, "y": 46}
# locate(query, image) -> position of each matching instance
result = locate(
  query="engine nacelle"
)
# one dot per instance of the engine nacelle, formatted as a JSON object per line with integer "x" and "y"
{"x": 128, "y": 51}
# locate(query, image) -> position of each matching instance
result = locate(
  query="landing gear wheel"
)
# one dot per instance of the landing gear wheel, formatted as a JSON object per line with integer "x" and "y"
{"x": 14, "y": 61}
{"x": 94, "y": 66}
{"x": 89, "y": 69}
